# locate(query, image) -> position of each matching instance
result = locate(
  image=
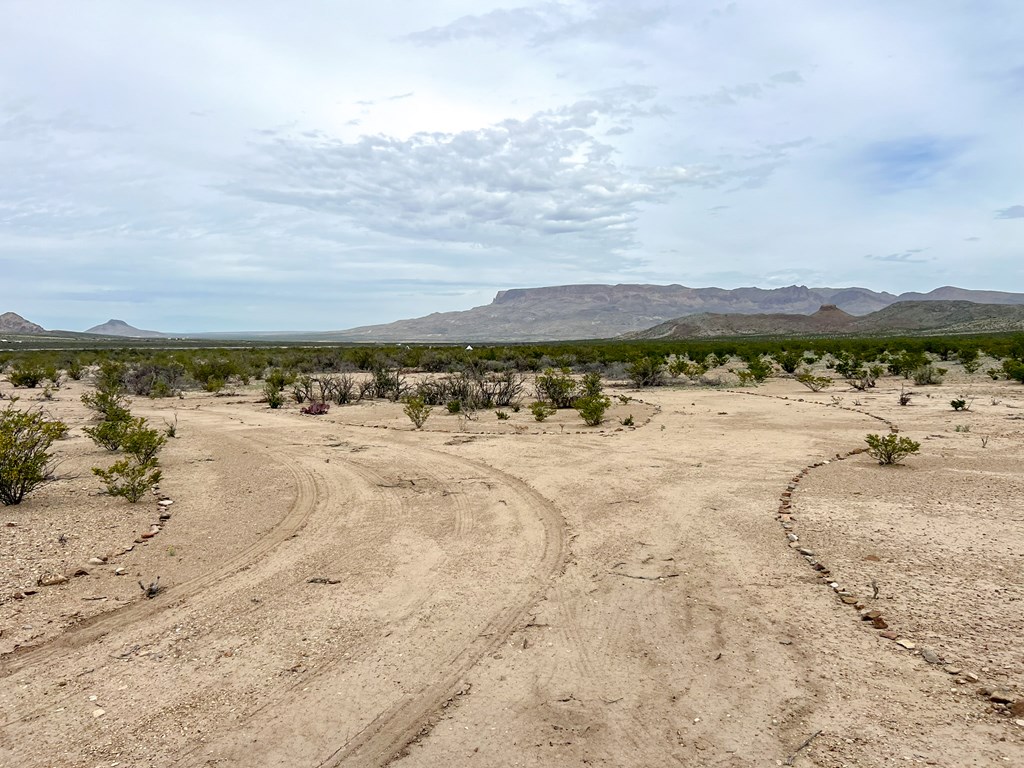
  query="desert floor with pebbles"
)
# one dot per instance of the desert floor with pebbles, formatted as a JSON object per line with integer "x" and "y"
{"x": 700, "y": 589}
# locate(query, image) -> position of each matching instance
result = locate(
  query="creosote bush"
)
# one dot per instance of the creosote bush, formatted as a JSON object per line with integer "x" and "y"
{"x": 25, "y": 441}
{"x": 128, "y": 478}
{"x": 814, "y": 383}
{"x": 542, "y": 409}
{"x": 591, "y": 409}
{"x": 417, "y": 410}
{"x": 890, "y": 448}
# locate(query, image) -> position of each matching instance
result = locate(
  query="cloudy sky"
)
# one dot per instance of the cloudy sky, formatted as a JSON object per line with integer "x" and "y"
{"x": 242, "y": 164}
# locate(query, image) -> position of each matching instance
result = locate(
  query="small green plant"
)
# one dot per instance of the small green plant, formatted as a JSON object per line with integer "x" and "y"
{"x": 26, "y": 374}
{"x": 25, "y": 441}
{"x": 129, "y": 479}
{"x": 962, "y": 428}
{"x": 141, "y": 442}
{"x": 891, "y": 448}
{"x": 959, "y": 404}
{"x": 628, "y": 421}
{"x": 624, "y": 399}
{"x": 110, "y": 434}
{"x": 454, "y": 406}
{"x": 927, "y": 374}
{"x": 904, "y": 398}
{"x": 591, "y": 409}
{"x": 646, "y": 372}
{"x": 541, "y": 409}
{"x": 814, "y": 383}
{"x": 590, "y": 385}
{"x": 273, "y": 395}
{"x": 557, "y": 387}
{"x": 171, "y": 427}
{"x": 417, "y": 410}
{"x": 502, "y": 415}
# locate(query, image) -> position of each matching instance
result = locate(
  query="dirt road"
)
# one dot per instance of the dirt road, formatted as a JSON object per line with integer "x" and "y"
{"x": 346, "y": 591}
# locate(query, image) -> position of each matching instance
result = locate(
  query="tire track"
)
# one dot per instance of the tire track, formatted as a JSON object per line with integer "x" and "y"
{"x": 91, "y": 630}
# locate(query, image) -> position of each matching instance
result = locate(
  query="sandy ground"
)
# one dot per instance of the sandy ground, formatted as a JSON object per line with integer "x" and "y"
{"x": 509, "y": 593}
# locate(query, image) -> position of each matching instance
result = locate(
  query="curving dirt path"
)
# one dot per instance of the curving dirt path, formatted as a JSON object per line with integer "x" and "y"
{"x": 546, "y": 596}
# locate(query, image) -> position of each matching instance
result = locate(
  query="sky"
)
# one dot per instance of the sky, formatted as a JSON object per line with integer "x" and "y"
{"x": 251, "y": 165}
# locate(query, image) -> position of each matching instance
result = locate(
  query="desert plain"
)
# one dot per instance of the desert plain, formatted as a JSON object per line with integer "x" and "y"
{"x": 694, "y": 590}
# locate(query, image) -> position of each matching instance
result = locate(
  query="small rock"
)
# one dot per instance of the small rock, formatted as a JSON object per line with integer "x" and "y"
{"x": 149, "y": 535}
{"x": 879, "y": 623}
{"x": 848, "y": 599}
{"x": 1017, "y": 708}
{"x": 165, "y": 516}
{"x": 97, "y": 560}
{"x": 98, "y": 712}
{"x": 970, "y": 677}
{"x": 165, "y": 502}
{"x": 806, "y": 552}
{"x": 93, "y": 698}
{"x": 1019, "y": 722}
{"x": 889, "y": 635}
{"x": 908, "y": 644}
{"x": 952, "y": 670}
{"x": 119, "y": 571}
{"x": 80, "y": 572}
{"x": 1001, "y": 696}
{"x": 792, "y": 537}
{"x": 52, "y": 581}
{"x": 930, "y": 656}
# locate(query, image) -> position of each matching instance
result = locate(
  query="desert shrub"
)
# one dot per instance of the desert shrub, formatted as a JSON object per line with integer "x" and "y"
{"x": 683, "y": 366}
{"x": 339, "y": 389}
{"x": 302, "y": 389}
{"x": 453, "y": 406}
{"x": 316, "y": 408}
{"x": 141, "y": 442}
{"x": 904, "y": 397}
{"x": 1013, "y": 370}
{"x": 927, "y": 374}
{"x": 789, "y": 360}
{"x": 542, "y": 409}
{"x": 959, "y": 404}
{"x": 628, "y": 421}
{"x": 26, "y": 374}
{"x": 154, "y": 379}
{"x": 110, "y": 433}
{"x": 273, "y": 395}
{"x": 557, "y": 387}
{"x": 759, "y": 369}
{"x": 279, "y": 378}
{"x": 646, "y": 372}
{"x": 25, "y": 441}
{"x": 128, "y": 478}
{"x": 214, "y": 372}
{"x": 75, "y": 370}
{"x": 814, "y": 383}
{"x": 502, "y": 415}
{"x": 890, "y": 448}
{"x": 968, "y": 357}
{"x": 591, "y": 409}
{"x": 417, "y": 410}
{"x": 590, "y": 385}
{"x": 905, "y": 363}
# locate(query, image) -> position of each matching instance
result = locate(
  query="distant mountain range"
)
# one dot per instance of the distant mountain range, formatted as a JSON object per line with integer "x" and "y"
{"x": 903, "y": 317}
{"x": 604, "y": 311}
{"x": 567, "y": 312}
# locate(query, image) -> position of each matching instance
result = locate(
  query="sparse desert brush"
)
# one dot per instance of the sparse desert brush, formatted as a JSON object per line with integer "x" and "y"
{"x": 417, "y": 410}
{"x": 628, "y": 421}
{"x": 927, "y": 374}
{"x": 812, "y": 382}
{"x": 904, "y": 397}
{"x": 129, "y": 479}
{"x": 316, "y": 408}
{"x": 541, "y": 409}
{"x": 25, "y": 441}
{"x": 557, "y": 387}
{"x": 591, "y": 409}
{"x": 891, "y": 448}
{"x": 454, "y": 406}
{"x": 502, "y": 415}
{"x": 590, "y": 385}
{"x": 646, "y": 372}
{"x": 272, "y": 394}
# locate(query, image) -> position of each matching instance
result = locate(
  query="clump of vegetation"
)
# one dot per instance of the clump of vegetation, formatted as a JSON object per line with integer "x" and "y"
{"x": 789, "y": 360}
{"x": 316, "y": 408}
{"x": 272, "y": 394}
{"x": 591, "y": 409}
{"x": 26, "y": 374}
{"x": 962, "y": 428}
{"x": 557, "y": 387}
{"x": 541, "y": 409}
{"x": 502, "y": 415}
{"x": 928, "y": 374}
{"x": 417, "y": 410}
{"x": 904, "y": 398}
{"x": 961, "y": 403}
{"x": 128, "y": 478}
{"x": 25, "y": 458}
{"x": 628, "y": 421}
{"x": 891, "y": 448}
{"x": 814, "y": 383}
{"x": 454, "y": 406}
{"x": 646, "y": 371}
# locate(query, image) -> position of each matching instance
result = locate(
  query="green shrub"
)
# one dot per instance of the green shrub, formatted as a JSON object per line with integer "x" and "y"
{"x": 25, "y": 441}
{"x": 558, "y": 387}
{"x": 109, "y": 434}
{"x": 502, "y": 415}
{"x": 591, "y": 409}
{"x": 454, "y": 406}
{"x": 26, "y": 374}
{"x": 142, "y": 443}
{"x": 891, "y": 448}
{"x": 417, "y": 411}
{"x": 272, "y": 394}
{"x": 959, "y": 404}
{"x": 542, "y": 409}
{"x": 927, "y": 374}
{"x": 789, "y": 360}
{"x": 128, "y": 478}
{"x": 628, "y": 421}
{"x": 646, "y": 372}
{"x": 590, "y": 385}
{"x": 814, "y": 383}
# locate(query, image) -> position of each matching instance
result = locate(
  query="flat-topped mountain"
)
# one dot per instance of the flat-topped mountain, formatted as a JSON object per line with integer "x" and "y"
{"x": 14, "y": 323}
{"x": 603, "y": 311}
{"x": 121, "y": 328}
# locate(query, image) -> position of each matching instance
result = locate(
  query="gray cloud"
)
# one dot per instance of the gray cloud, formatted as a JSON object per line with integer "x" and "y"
{"x": 1013, "y": 212}
{"x": 733, "y": 94}
{"x": 902, "y": 257}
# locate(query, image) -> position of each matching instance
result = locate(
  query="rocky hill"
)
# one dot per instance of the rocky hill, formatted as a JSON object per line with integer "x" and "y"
{"x": 121, "y": 328}
{"x": 603, "y": 311}
{"x": 903, "y": 317}
{"x": 13, "y": 323}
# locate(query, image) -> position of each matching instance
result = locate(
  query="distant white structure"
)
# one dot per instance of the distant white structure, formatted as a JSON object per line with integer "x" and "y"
{"x": 469, "y": 348}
